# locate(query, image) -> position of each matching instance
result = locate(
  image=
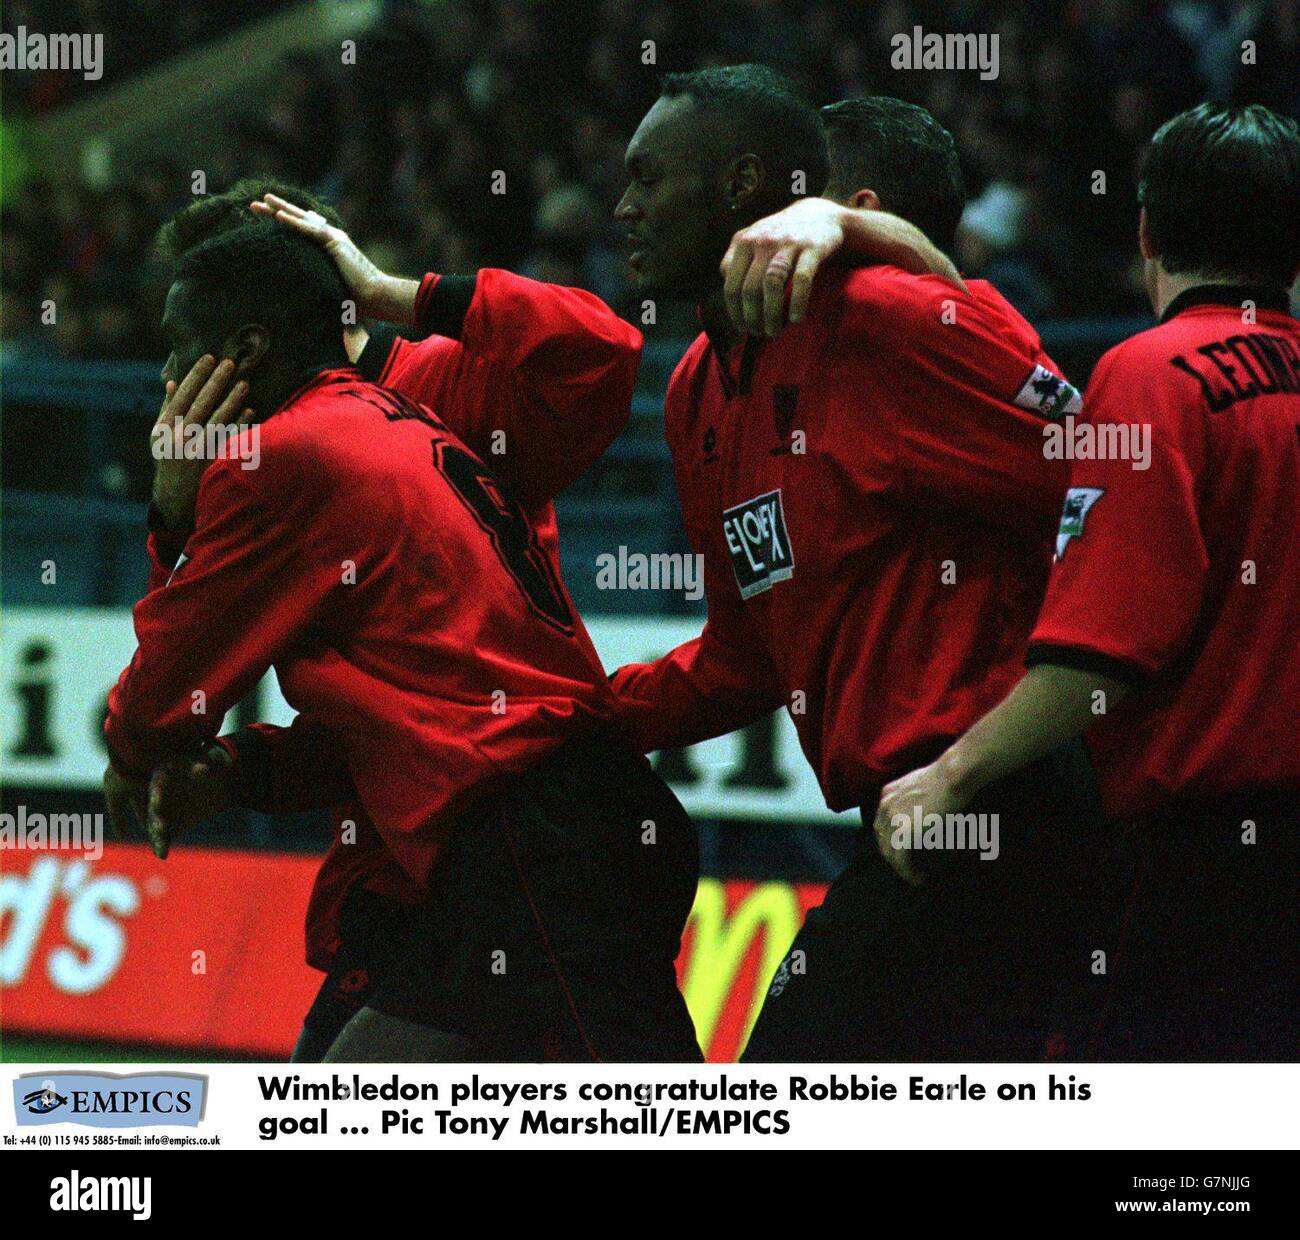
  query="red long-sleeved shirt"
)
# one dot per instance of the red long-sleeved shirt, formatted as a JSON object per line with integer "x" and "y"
{"x": 871, "y": 498}
{"x": 540, "y": 382}
{"x": 1181, "y": 577}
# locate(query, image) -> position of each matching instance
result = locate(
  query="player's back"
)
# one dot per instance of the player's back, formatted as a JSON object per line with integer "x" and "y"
{"x": 1210, "y": 522}
{"x": 445, "y": 653}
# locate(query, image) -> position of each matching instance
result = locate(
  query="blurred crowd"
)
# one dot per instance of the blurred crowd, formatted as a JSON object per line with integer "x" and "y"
{"x": 450, "y": 104}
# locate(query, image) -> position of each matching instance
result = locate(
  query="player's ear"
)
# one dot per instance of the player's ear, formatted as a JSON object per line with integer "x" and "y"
{"x": 1144, "y": 236}
{"x": 865, "y": 200}
{"x": 246, "y": 346}
{"x": 742, "y": 182}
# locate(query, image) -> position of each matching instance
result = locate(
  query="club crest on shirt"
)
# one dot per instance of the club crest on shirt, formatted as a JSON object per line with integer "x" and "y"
{"x": 757, "y": 541}
{"x": 1078, "y": 500}
{"x": 1048, "y": 395}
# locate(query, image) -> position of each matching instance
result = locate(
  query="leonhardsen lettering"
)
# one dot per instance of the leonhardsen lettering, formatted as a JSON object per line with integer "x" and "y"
{"x": 1242, "y": 367}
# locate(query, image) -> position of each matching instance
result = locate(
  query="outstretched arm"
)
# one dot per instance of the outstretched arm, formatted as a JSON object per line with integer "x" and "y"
{"x": 262, "y": 767}
{"x": 534, "y": 378}
{"x": 786, "y": 250}
{"x": 1050, "y": 706}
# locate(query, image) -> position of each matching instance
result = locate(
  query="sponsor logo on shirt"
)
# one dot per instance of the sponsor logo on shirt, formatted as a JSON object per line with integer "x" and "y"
{"x": 1078, "y": 500}
{"x": 760, "y": 549}
{"x": 1048, "y": 395}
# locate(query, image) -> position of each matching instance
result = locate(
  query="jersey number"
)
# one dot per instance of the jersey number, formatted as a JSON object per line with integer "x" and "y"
{"x": 512, "y": 536}
{"x": 500, "y": 517}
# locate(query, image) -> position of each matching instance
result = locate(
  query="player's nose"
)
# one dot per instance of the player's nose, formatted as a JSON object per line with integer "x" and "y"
{"x": 625, "y": 209}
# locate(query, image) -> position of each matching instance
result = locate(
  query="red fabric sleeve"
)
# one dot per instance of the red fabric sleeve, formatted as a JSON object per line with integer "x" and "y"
{"x": 717, "y": 682}
{"x": 1131, "y": 560}
{"x": 163, "y": 554}
{"x": 706, "y": 687}
{"x": 538, "y": 385}
{"x": 288, "y": 770}
{"x": 963, "y": 370}
{"x": 255, "y": 576}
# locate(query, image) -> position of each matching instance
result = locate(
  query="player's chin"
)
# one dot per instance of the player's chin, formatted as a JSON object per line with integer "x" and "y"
{"x": 641, "y": 270}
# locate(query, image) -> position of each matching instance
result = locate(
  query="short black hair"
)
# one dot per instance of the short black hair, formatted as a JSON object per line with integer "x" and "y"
{"x": 899, "y": 150}
{"x": 766, "y": 115}
{"x": 1221, "y": 189}
{"x": 212, "y": 214}
{"x": 265, "y": 273}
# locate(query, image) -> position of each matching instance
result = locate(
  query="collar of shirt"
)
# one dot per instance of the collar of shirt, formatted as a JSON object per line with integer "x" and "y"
{"x": 314, "y": 378}
{"x": 737, "y": 355}
{"x": 1265, "y": 297}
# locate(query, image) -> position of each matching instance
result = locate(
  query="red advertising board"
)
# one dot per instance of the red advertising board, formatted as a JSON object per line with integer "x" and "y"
{"x": 205, "y": 951}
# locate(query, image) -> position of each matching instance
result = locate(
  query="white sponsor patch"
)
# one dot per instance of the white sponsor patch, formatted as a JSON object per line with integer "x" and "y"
{"x": 759, "y": 545}
{"x": 1078, "y": 500}
{"x": 1048, "y": 395}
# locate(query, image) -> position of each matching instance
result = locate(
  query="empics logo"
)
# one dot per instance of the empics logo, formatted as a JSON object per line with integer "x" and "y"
{"x": 123, "y": 1194}
{"x": 760, "y": 549}
{"x": 106, "y": 1100}
{"x": 44, "y": 1100}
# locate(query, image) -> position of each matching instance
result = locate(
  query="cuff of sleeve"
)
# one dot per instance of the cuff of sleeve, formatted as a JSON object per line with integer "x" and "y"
{"x": 167, "y": 537}
{"x": 122, "y": 756}
{"x": 442, "y": 303}
{"x": 378, "y": 349}
{"x": 1084, "y": 660}
{"x": 248, "y": 750}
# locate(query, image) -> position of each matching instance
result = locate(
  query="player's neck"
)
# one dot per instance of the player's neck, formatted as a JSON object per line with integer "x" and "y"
{"x": 269, "y": 391}
{"x": 1168, "y": 286}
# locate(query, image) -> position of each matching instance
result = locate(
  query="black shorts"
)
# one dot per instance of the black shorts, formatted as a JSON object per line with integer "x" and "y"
{"x": 1198, "y": 911}
{"x": 373, "y": 931}
{"x": 965, "y": 967}
{"x": 555, "y": 917}
{"x": 1169, "y": 938}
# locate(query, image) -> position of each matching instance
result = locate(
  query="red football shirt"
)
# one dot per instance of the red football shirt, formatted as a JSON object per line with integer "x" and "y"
{"x": 537, "y": 384}
{"x": 1184, "y": 576}
{"x": 873, "y": 505}
{"x": 374, "y": 563}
